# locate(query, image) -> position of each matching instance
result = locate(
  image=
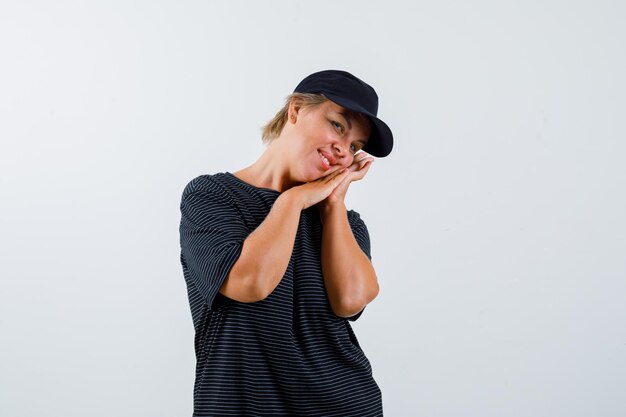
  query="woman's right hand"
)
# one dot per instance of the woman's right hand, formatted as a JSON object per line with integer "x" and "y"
{"x": 313, "y": 192}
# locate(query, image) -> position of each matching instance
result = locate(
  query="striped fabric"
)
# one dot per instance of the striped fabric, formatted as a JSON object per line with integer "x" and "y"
{"x": 287, "y": 355}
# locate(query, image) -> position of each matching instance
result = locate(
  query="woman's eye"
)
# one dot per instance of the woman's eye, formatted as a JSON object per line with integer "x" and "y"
{"x": 354, "y": 148}
{"x": 337, "y": 126}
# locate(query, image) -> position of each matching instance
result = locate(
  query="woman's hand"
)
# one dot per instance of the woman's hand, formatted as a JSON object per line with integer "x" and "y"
{"x": 356, "y": 171}
{"x": 315, "y": 191}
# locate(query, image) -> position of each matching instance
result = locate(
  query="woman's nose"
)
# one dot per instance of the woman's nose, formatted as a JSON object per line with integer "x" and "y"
{"x": 341, "y": 153}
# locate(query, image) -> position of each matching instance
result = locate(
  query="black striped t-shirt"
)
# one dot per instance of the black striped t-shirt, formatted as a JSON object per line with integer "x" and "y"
{"x": 287, "y": 355}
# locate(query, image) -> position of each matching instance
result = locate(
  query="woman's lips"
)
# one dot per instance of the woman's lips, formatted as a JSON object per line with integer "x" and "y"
{"x": 325, "y": 161}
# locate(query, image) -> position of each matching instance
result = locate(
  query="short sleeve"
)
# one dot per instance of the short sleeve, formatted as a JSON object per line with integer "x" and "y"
{"x": 212, "y": 233}
{"x": 361, "y": 235}
{"x": 359, "y": 230}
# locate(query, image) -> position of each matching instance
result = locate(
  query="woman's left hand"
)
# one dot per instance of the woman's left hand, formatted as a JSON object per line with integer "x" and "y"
{"x": 358, "y": 169}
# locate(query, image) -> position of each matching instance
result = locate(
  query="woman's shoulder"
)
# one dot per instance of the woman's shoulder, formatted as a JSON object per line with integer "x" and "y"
{"x": 206, "y": 183}
{"x": 208, "y": 187}
{"x": 210, "y": 192}
{"x": 226, "y": 186}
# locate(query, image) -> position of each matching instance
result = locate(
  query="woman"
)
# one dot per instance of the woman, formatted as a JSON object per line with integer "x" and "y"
{"x": 276, "y": 266}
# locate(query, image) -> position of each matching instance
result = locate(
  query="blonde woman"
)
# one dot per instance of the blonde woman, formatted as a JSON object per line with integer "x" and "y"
{"x": 276, "y": 266}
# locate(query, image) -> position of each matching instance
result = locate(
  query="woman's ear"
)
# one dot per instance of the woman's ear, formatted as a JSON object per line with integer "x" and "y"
{"x": 294, "y": 109}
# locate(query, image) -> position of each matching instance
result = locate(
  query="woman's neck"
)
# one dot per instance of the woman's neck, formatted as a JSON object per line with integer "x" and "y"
{"x": 268, "y": 171}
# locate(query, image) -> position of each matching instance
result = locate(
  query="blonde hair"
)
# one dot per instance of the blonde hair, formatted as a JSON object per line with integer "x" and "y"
{"x": 272, "y": 129}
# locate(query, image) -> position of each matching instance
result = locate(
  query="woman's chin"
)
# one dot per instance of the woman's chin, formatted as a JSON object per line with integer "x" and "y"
{"x": 312, "y": 175}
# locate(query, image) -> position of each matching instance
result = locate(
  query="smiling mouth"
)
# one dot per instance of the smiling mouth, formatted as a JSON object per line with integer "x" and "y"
{"x": 326, "y": 161}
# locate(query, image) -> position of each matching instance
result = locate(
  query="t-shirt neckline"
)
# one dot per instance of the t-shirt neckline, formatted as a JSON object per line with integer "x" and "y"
{"x": 247, "y": 184}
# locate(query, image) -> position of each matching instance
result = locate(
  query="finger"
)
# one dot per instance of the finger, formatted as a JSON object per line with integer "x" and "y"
{"x": 361, "y": 172}
{"x": 362, "y": 153}
{"x": 326, "y": 177}
{"x": 361, "y": 164}
{"x": 360, "y": 160}
{"x": 361, "y": 156}
{"x": 366, "y": 163}
{"x": 331, "y": 172}
{"x": 357, "y": 164}
{"x": 339, "y": 175}
{"x": 342, "y": 187}
{"x": 334, "y": 169}
{"x": 363, "y": 159}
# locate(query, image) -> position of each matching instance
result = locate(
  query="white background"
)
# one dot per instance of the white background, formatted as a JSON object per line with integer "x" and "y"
{"x": 497, "y": 223}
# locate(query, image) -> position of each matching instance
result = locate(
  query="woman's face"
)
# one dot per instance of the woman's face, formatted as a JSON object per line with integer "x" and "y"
{"x": 324, "y": 136}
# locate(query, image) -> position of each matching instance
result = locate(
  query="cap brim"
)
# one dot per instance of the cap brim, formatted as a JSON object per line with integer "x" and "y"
{"x": 380, "y": 142}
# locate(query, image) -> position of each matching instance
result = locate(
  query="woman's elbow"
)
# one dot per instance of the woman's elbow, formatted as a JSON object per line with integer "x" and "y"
{"x": 244, "y": 288}
{"x": 350, "y": 307}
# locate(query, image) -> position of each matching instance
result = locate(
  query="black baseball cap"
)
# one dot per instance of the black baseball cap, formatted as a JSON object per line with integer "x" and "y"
{"x": 348, "y": 91}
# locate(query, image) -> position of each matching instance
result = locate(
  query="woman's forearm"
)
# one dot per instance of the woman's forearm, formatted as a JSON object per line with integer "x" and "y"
{"x": 266, "y": 253}
{"x": 349, "y": 275}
